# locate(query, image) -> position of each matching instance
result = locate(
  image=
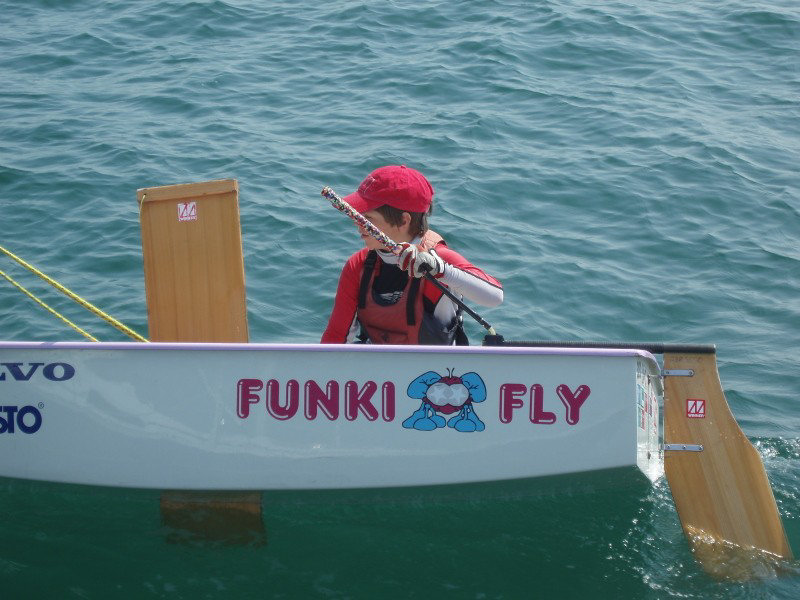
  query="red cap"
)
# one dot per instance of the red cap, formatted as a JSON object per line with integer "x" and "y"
{"x": 398, "y": 186}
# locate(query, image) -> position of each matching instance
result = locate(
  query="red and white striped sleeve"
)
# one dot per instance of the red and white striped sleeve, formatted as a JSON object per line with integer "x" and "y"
{"x": 462, "y": 277}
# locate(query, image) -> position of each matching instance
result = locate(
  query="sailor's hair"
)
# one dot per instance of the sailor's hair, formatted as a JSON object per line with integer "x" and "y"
{"x": 394, "y": 216}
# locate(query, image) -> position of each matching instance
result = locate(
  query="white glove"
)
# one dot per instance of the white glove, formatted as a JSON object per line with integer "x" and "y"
{"x": 418, "y": 263}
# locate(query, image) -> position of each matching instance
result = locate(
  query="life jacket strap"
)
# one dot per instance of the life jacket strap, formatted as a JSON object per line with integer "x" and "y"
{"x": 366, "y": 277}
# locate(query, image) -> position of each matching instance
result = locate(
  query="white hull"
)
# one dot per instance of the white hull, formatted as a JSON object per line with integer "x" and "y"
{"x": 261, "y": 417}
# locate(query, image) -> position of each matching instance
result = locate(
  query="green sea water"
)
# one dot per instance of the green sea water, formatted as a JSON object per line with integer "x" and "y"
{"x": 629, "y": 171}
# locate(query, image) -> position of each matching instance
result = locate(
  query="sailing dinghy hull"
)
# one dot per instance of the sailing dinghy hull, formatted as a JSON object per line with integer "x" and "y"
{"x": 271, "y": 417}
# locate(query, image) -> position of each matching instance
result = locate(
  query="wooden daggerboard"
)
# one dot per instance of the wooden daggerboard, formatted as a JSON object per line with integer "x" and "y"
{"x": 193, "y": 264}
{"x": 194, "y": 283}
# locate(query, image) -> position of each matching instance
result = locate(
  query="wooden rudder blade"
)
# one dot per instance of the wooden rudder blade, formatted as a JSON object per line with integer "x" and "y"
{"x": 722, "y": 494}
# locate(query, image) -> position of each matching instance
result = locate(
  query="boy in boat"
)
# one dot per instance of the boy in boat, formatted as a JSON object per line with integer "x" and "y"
{"x": 383, "y": 298}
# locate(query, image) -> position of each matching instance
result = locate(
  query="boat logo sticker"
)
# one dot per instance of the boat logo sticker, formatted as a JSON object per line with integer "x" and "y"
{"x": 14, "y": 419}
{"x": 695, "y": 408}
{"x": 187, "y": 211}
{"x": 445, "y": 395}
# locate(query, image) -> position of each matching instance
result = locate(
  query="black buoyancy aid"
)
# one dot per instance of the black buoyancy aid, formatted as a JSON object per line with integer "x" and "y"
{"x": 405, "y": 321}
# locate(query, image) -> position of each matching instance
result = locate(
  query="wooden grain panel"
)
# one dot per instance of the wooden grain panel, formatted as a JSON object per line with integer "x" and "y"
{"x": 722, "y": 494}
{"x": 195, "y": 287}
{"x": 230, "y": 518}
{"x": 194, "y": 270}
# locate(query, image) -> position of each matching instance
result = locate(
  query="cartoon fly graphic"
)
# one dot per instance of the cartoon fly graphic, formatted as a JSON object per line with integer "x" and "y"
{"x": 445, "y": 396}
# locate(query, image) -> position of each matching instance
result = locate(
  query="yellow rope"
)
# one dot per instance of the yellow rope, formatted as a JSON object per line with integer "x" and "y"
{"x": 88, "y": 306}
{"x": 46, "y": 307}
